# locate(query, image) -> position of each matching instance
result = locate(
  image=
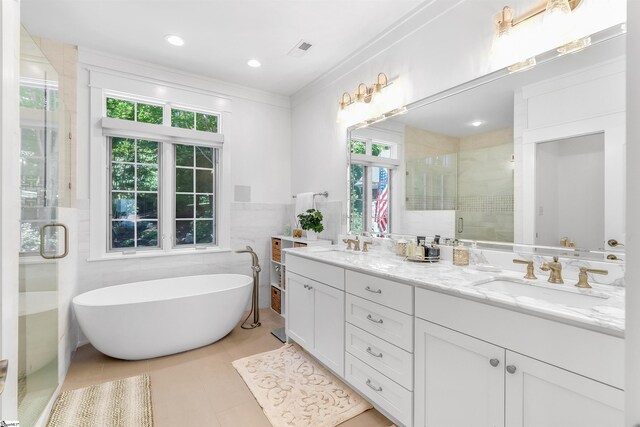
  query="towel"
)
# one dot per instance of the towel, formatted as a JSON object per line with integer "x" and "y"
{"x": 304, "y": 201}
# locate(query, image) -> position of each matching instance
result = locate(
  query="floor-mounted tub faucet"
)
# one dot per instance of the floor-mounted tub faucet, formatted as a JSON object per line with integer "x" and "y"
{"x": 255, "y": 266}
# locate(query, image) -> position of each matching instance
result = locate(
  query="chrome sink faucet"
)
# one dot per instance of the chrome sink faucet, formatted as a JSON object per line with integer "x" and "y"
{"x": 555, "y": 269}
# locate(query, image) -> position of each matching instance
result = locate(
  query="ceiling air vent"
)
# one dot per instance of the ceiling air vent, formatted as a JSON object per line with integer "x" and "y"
{"x": 300, "y": 49}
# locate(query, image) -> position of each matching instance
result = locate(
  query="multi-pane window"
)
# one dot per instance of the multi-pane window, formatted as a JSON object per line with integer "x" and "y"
{"x": 181, "y": 118}
{"x": 370, "y": 186}
{"x": 165, "y": 187}
{"x": 134, "y": 193}
{"x": 135, "y": 111}
{"x": 370, "y": 198}
{"x": 194, "y": 195}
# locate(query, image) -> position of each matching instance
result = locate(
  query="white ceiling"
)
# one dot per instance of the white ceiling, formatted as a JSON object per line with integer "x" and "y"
{"x": 221, "y": 35}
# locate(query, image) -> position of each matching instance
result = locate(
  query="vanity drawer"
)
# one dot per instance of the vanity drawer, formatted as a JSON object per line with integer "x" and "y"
{"x": 386, "y": 292}
{"x": 383, "y": 322}
{"x": 387, "y": 358}
{"x": 389, "y": 396}
{"x": 318, "y": 271}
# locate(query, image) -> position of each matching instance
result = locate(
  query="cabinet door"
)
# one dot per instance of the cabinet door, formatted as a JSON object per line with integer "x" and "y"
{"x": 328, "y": 310}
{"x": 299, "y": 320}
{"x": 543, "y": 395}
{"x": 459, "y": 380}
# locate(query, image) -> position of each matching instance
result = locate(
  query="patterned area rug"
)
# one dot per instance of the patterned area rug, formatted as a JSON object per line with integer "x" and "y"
{"x": 295, "y": 390}
{"x": 121, "y": 403}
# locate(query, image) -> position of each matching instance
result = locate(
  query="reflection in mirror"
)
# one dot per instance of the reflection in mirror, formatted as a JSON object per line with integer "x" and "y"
{"x": 532, "y": 158}
{"x": 570, "y": 192}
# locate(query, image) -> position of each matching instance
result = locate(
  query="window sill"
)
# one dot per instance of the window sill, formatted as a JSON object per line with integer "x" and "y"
{"x": 157, "y": 254}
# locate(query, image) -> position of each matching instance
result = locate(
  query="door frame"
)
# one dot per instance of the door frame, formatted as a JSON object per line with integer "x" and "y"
{"x": 9, "y": 200}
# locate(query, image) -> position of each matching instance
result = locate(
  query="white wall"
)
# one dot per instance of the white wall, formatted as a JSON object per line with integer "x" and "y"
{"x": 632, "y": 386}
{"x": 260, "y": 158}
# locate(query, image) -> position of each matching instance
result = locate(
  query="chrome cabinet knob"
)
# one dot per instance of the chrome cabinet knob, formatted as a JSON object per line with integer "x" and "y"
{"x": 511, "y": 369}
{"x": 494, "y": 362}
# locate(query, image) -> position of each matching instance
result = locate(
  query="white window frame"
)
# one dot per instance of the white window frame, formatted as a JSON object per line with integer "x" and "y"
{"x": 106, "y": 84}
{"x": 368, "y": 160}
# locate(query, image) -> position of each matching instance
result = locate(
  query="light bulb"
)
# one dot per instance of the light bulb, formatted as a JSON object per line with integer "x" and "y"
{"x": 558, "y": 21}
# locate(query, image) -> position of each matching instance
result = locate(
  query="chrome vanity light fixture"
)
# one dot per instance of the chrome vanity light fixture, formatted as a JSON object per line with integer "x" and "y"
{"x": 516, "y": 39}
{"x": 370, "y": 104}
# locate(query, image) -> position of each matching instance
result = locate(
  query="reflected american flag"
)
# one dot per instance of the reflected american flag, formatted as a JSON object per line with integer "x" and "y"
{"x": 382, "y": 201}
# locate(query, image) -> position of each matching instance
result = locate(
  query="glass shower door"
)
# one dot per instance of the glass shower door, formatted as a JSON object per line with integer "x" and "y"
{"x": 43, "y": 240}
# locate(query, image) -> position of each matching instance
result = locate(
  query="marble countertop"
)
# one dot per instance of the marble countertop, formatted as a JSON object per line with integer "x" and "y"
{"x": 606, "y": 316}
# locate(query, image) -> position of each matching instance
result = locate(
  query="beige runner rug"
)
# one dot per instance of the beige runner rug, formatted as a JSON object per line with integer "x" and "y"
{"x": 121, "y": 403}
{"x": 295, "y": 390}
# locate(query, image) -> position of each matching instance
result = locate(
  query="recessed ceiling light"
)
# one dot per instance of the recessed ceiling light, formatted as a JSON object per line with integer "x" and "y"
{"x": 174, "y": 40}
{"x": 253, "y": 63}
{"x": 476, "y": 123}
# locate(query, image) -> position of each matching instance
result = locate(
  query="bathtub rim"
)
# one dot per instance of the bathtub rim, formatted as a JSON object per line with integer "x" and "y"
{"x": 78, "y": 299}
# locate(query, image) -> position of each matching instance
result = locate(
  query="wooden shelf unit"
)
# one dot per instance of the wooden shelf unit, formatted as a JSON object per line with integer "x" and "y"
{"x": 277, "y": 267}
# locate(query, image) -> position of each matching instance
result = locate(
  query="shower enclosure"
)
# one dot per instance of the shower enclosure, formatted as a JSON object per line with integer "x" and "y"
{"x": 44, "y": 190}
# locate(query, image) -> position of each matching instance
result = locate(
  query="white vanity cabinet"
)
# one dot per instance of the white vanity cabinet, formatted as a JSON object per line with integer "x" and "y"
{"x": 315, "y": 316}
{"x": 432, "y": 359}
{"x": 459, "y": 380}
{"x": 379, "y": 343}
{"x": 472, "y": 376}
{"x": 540, "y": 394}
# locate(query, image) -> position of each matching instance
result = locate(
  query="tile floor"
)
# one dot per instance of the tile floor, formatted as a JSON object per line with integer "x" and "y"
{"x": 198, "y": 388}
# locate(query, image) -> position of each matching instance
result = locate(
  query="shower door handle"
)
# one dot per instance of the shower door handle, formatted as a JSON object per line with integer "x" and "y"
{"x": 42, "y": 240}
{"x": 460, "y": 225}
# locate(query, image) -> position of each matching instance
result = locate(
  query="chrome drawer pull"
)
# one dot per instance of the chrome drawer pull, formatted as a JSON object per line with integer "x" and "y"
{"x": 375, "y": 291}
{"x": 371, "y": 386}
{"x": 372, "y": 353}
{"x": 374, "y": 320}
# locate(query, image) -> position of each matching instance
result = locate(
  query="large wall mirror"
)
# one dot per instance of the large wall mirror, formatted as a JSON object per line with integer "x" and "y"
{"x": 535, "y": 157}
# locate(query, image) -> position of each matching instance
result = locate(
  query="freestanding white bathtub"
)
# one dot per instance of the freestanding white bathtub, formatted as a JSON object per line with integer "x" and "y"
{"x": 159, "y": 317}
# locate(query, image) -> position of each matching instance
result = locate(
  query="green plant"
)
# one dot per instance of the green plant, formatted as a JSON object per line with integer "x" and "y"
{"x": 311, "y": 220}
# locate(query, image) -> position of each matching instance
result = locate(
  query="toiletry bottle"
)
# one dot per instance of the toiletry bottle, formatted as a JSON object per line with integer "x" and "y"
{"x": 411, "y": 249}
{"x": 420, "y": 250}
{"x": 433, "y": 251}
{"x": 460, "y": 254}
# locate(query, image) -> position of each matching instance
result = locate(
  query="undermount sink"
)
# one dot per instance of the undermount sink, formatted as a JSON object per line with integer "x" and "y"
{"x": 557, "y": 294}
